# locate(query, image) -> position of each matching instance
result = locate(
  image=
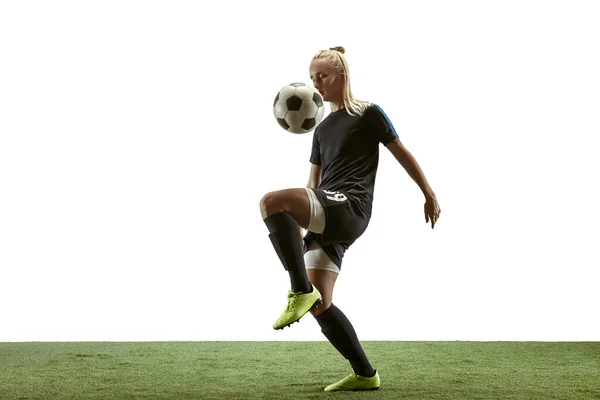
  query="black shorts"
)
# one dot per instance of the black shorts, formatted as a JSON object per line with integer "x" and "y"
{"x": 345, "y": 221}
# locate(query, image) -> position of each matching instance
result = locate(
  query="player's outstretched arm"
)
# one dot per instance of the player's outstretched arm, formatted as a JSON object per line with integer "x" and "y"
{"x": 410, "y": 164}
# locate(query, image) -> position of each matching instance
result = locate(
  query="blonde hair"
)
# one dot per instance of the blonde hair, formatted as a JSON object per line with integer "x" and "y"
{"x": 334, "y": 56}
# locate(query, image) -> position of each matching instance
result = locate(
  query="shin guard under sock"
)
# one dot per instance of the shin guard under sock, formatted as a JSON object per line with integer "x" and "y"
{"x": 287, "y": 242}
{"x": 339, "y": 331}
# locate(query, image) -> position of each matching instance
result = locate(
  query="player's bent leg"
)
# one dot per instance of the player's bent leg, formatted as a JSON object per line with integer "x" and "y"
{"x": 283, "y": 212}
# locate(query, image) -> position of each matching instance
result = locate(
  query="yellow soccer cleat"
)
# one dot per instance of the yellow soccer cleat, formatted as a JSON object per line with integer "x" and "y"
{"x": 355, "y": 382}
{"x": 298, "y": 304}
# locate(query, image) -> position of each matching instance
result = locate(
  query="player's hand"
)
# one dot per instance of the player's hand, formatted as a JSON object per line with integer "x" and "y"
{"x": 432, "y": 210}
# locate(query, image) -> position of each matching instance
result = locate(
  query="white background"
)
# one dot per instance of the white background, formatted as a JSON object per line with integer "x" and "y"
{"x": 137, "y": 138}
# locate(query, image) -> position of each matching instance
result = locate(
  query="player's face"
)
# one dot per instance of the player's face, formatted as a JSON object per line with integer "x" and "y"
{"x": 327, "y": 81}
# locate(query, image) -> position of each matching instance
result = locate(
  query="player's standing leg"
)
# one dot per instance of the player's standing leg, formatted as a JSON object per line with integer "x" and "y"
{"x": 341, "y": 334}
{"x": 283, "y": 213}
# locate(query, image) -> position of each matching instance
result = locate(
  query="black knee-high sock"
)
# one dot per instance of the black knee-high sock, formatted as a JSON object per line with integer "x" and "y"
{"x": 286, "y": 239}
{"x": 337, "y": 328}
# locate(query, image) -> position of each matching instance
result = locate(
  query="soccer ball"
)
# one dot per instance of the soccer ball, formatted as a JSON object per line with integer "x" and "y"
{"x": 298, "y": 108}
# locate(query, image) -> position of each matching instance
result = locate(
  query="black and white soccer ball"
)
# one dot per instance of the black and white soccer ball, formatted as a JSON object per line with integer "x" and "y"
{"x": 298, "y": 108}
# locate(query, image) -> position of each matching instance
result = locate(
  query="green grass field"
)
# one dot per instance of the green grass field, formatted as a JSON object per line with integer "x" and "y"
{"x": 297, "y": 370}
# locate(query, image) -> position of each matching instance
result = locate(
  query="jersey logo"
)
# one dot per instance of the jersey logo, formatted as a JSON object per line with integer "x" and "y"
{"x": 335, "y": 196}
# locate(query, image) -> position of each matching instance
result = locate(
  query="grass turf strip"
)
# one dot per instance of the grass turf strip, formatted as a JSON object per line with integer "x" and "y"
{"x": 297, "y": 370}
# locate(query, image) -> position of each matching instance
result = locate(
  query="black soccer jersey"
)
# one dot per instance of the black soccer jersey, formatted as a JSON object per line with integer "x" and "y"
{"x": 347, "y": 149}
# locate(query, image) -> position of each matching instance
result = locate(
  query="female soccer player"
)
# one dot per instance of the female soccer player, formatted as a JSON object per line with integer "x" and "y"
{"x": 335, "y": 209}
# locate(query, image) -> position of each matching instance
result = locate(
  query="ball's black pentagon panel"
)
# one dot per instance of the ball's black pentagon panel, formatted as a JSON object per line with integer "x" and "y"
{"x": 283, "y": 124}
{"x": 309, "y": 123}
{"x": 294, "y": 103}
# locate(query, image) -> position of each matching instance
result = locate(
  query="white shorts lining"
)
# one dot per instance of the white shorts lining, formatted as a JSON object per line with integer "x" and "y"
{"x": 316, "y": 223}
{"x": 316, "y": 258}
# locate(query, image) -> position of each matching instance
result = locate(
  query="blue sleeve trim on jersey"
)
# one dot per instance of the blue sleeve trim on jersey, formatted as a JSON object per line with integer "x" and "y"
{"x": 387, "y": 120}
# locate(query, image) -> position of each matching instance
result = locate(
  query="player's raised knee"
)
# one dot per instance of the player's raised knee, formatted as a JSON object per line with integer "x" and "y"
{"x": 270, "y": 204}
